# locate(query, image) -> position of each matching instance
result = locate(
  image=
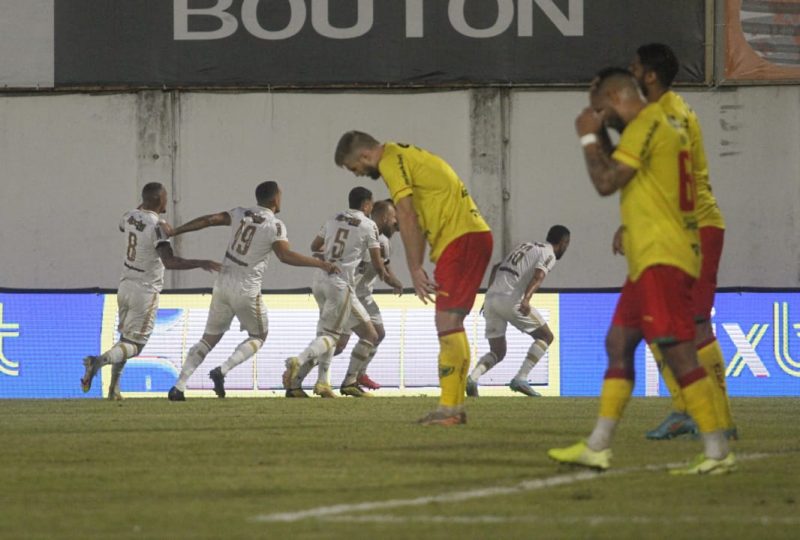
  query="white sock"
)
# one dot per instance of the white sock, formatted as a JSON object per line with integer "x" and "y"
{"x": 487, "y": 362}
{"x": 321, "y": 345}
{"x": 244, "y": 351}
{"x": 359, "y": 359}
{"x": 603, "y": 432}
{"x": 716, "y": 444}
{"x": 116, "y": 373}
{"x": 195, "y": 357}
{"x": 535, "y": 353}
{"x": 120, "y": 352}
{"x": 324, "y": 369}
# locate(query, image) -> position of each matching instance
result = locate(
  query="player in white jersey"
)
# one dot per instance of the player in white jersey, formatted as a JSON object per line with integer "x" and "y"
{"x": 385, "y": 218}
{"x": 147, "y": 253}
{"x": 256, "y": 233}
{"x": 511, "y": 286}
{"x": 344, "y": 239}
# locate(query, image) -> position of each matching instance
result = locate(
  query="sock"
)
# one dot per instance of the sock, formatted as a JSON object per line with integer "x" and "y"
{"x": 195, "y": 357}
{"x": 359, "y": 359}
{"x": 710, "y": 357}
{"x": 116, "y": 373}
{"x": 616, "y": 392}
{"x": 245, "y": 350}
{"x": 453, "y": 363}
{"x": 678, "y": 403}
{"x": 324, "y": 369}
{"x": 487, "y": 362}
{"x": 697, "y": 392}
{"x": 120, "y": 352}
{"x": 319, "y": 346}
{"x": 535, "y": 353}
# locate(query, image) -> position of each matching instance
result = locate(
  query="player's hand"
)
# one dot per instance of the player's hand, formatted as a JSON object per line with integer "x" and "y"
{"x": 616, "y": 244}
{"x": 210, "y": 266}
{"x": 331, "y": 268}
{"x": 424, "y": 286}
{"x": 166, "y": 228}
{"x": 398, "y": 290}
{"x": 525, "y": 307}
{"x": 588, "y": 121}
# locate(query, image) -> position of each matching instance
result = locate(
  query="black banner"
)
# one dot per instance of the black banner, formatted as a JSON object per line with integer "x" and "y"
{"x": 378, "y": 43}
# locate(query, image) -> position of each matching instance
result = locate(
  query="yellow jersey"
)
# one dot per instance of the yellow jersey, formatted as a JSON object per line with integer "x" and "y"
{"x": 658, "y": 204}
{"x": 444, "y": 207}
{"x": 708, "y": 213}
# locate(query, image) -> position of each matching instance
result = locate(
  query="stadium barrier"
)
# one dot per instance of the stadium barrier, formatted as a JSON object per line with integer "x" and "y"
{"x": 44, "y": 336}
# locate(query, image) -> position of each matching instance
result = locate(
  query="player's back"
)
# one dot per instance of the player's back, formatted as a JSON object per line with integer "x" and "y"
{"x": 517, "y": 268}
{"x": 142, "y": 264}
{"x": 348, "y": 238}
{"x": 254, "y": 231}
{"x": 366, "y": 274}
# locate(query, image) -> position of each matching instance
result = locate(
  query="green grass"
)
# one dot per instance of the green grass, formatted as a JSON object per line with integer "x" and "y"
{"x": 205, "y": 468}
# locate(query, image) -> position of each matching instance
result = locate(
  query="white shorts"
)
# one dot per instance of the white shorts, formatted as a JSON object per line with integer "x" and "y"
{"x": 136, "y": 307}
{"x": 372, "y": 308}
{"x": 227, "y": 303}
{"x": 339, "y": 308}
{"x": 499, "y": 310}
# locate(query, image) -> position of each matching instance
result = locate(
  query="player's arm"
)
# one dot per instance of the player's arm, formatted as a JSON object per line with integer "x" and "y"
{"x": 292, "y": 258}
{"x": 317, "y": 244}
{"x": 533, "y": 286}
{"x": 414, "y": 244}
{"x": 616, "y": 244}
{"x": 376, "y": 260}
{"x": 607, "y": 174}
{"x": 173, "y": 262}
{"x": 392, "y": 280}
{"x": 211, "y": 220}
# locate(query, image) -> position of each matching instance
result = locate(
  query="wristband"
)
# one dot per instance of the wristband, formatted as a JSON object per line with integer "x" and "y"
{"x": 588, "y": 139}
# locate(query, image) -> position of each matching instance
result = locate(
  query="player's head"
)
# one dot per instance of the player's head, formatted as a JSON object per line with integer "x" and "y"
{"x": 654, "y": 66}
{"x": 268, "y": 195}
{"x": 359, "y": 153}
{"x": 385, "y": 217}
{"x": 360, "y": 198}
{"x": 558, "y": 236}
{"x": 154, "y": 197}
{"x": 615, "y": 94}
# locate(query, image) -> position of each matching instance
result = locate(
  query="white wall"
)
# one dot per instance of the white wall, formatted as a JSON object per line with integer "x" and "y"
{"x": 71, "y": 164}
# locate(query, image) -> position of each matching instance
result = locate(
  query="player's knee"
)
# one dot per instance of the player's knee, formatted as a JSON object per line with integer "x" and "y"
{"x": 498, "y": 348}
{"x": 544, "y": 334}
{"x": 381, "y": 333}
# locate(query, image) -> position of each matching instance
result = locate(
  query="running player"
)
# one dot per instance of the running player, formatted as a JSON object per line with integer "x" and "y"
{"x": 651, "y": 166}
{"x": 256, "y": 233}
{"x": 345, "y": 240}
{"x": 655, "y": 67}
{"x": 508, "y": 300}
{"x": 433, "y": 207}
{"x": 147, "y": 253}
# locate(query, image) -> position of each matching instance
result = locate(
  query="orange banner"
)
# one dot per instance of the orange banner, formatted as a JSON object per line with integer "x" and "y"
{"x": 763, "y": 40}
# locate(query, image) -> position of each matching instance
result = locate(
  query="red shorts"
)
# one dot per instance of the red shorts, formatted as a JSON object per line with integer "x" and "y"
{"x": 460, "y": 269}
{"x": 659, "y": 304}
{"x": 711, "y": 239}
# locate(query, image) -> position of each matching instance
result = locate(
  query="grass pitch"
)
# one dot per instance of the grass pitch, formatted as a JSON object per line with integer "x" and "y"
{"x": 211, "y": 468}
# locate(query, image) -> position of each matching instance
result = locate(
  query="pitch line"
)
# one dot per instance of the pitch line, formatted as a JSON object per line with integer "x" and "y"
{"x": 590, "y": 520}
{"x": 457, "y": 496}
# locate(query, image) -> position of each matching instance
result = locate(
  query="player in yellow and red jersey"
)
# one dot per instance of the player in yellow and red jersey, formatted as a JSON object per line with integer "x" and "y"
{"x": 651, "y": 167}
{"x": 655, "y": 67}
{"x": 433, "y": 207}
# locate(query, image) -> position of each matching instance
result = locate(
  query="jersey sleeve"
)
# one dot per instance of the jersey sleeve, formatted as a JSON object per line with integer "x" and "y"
{"x": 157, "y": 234}
{"x": 236, "y": 215}
{"x": 372, "y": 236}
{"x": 634, "y": 142}
{"x": 122, "y": 221}
{"x": 281, "y": 234}
{"x": 546, "y": 262}
{"x": 394, "y": 170}
{"x": 386, "y": 249}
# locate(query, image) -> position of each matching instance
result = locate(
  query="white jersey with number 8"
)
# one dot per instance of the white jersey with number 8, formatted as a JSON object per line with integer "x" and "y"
{"x": 142, "y": 265}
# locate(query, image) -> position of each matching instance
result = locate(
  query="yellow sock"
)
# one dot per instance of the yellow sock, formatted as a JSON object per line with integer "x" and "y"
{"x": 616, "y": 392}
{"x": 697, "y": 392}
{"x": 678, "y": 404}
{"x": 453, "y": 365}
{"x": 710, "y": 357}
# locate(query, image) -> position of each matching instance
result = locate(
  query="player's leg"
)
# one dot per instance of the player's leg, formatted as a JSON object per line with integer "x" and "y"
{"x": 458, "y": 286}
{"x": 362, "y": 352}
{"x": 495, "y": 334}
{"x": 252, "y": 315}
{"x": 377, "y": 321}
{"x": 678, "y": 422}
{"x": 535, "y": 326}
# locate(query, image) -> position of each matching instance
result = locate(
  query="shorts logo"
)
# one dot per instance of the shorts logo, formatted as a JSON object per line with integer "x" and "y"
{"x": 445, "y": 371}
{"x": 7, "y": 330}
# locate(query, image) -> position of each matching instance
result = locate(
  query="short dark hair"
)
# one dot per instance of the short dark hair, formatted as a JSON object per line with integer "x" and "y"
{"x": 350, "y": 142}
{"x": 266, "y": 191}
{"x": 382, "y": 206}
{"x": 357, "y": 197}
{"x": 557, "y": 233}
{"x": 151, "y": 193}
{"x": 661, "y": 60}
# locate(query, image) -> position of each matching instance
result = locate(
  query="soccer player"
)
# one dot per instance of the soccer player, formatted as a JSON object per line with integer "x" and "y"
{"x": 256, "y": 233}
{"x": 385, "y": 218}
{"x": 512, "y": 284}
{"x": 433, "y": 207}
{"x": 651, "y": 166}
{"x": 345, "y": 239}
{"x": 655, "y": 67}
{"x": 147, "y": 253}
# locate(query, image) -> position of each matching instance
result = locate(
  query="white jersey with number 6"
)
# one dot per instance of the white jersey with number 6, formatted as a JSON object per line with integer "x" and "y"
{"x": 254, "y": 230}
{"x": 348, "y": 238}
{"x": 516, "y": 270}
{"x": 142, "y": 265}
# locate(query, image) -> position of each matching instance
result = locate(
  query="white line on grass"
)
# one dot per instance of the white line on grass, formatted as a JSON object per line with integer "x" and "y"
{"x": 456, "y": 496}
{"x": 567, "y": 520}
